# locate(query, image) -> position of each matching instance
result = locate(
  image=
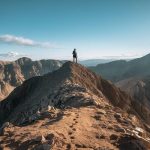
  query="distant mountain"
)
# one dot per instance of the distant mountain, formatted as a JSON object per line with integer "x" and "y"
{"x": 94, "y": 62}
{"x": 71, "y": 108}
{"x": 13, "y": 73}
{"x": 121, "y": 69}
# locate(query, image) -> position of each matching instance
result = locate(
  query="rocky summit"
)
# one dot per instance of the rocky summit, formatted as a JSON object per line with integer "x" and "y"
{"x": 71, "y": 108}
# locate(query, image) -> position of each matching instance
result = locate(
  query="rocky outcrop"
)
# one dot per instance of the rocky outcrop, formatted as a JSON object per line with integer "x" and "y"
{"x": 138, "y": 89}
{"x": 12, "y": 74}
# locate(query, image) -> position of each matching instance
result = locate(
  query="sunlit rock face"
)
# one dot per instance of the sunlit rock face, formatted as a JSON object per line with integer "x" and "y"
{"x": 138, "y": 89}
{"x": 12, "y": 74}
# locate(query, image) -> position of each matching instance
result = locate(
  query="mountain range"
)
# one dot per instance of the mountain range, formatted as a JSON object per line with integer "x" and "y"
{"x": 121, "y": 69}
{"x": 13, "y": 73}
{"x": 94, "y": 62}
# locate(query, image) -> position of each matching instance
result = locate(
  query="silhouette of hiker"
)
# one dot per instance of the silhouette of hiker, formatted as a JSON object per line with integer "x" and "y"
{"x": 74, "y": 53}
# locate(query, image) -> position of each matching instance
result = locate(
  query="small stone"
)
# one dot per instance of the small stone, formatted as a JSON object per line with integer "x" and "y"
{"x": 140, "y": 132}
{"x": 139, "y": 129}
{"x": 101, "y": 111}
{"x": 134, "y": 132}
{"x": 6, "y": 124}
{"x": 133, "y": 118}
{"x": 49, "y": 108}
{"x": 110, "y": 127}
{"x": 103, "y": 126}
{"x": 50, "y": 136}
{"x": 3, "y": 128}
{"x": 38, "y": 114}
{"x": 117, "y": 109}
{"x": 43, "y": 139}
{"x": 107, "y": 106}
{"x": 100, "y": 136}
{"x": 97, "y": 117}
{"x": 113, "y": 137}
{"x": 126, "y": 121}
{"x": 119, "y": 129}
{"x": 123, "y": 121}
{"x": 32, "y": 118}
{"x": 40, "y": 139}
{"x": 117, "y": 115}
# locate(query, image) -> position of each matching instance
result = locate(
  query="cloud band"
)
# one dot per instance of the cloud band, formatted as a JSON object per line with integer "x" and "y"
{"x": 7, "y": 38}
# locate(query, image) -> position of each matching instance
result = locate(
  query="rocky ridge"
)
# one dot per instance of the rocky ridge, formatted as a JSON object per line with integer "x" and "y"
{"x": 71, "y": 108}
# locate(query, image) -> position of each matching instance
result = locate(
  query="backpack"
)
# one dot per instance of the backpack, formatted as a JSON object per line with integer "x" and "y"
{"x": 74, "y": 54}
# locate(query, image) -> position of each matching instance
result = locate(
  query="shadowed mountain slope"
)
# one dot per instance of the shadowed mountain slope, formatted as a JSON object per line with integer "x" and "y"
{"x": 138, "y": 89}
{"x": 121, "y": 69}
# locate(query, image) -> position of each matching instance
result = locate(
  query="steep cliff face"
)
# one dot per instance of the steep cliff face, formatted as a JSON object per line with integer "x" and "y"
{"x": 71, "y": 108}
{"x": 12, "y": 74}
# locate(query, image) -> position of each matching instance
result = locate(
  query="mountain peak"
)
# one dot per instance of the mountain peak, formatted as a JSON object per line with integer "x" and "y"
{"x": 23, "y": 60}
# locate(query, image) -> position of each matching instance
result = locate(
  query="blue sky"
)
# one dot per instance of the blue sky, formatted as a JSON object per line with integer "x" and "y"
{"x": 96, "y": 28}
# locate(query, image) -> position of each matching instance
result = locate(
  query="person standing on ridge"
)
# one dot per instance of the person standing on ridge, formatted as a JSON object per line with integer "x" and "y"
{"x": 74, "y": 53}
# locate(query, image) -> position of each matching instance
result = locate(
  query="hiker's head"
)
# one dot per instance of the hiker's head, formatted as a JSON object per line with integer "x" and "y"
{"x": 74, "y": 49}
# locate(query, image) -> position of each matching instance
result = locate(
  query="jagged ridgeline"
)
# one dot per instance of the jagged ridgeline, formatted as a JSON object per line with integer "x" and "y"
{"x": 12, "y": 74}
{"x": 76, "y": 108}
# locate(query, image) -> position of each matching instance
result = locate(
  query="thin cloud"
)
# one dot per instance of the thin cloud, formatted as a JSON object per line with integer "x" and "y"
{"x": 11, "y": 55}
{"x": 11, "y": 39}
{"x": 123, "y": 56}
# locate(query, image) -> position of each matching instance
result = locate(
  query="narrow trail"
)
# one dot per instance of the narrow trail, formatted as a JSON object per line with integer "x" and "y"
{"x": 88, "y": 128}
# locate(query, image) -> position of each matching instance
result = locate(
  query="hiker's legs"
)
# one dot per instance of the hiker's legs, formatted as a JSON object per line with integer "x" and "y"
{"x": 75, "y": 59}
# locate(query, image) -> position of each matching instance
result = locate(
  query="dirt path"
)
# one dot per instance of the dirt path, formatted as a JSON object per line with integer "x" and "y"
{"x": 73, "y": 129}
